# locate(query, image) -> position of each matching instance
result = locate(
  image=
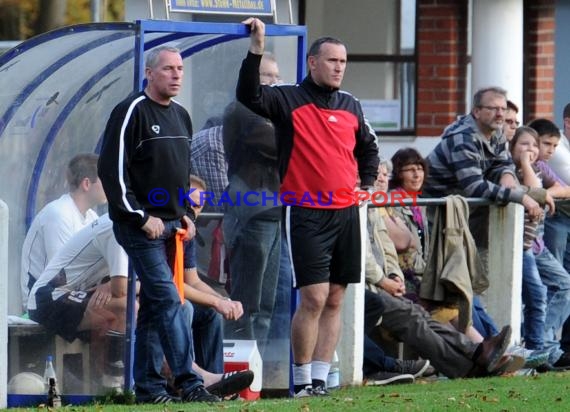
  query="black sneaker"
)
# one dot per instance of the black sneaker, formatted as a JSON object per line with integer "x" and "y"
{"x": 161, "y": 399}
{"x": 320, "y": 391}
{"x": 200, "y": 394}
{"x": 545, "y": 367}
{"x": 417, "y": 368}
{"x": 387, "y": 378}
{"x": 563, "y": 363}
{"x": 310, "y": 391}
{"x": 231, "y": 383}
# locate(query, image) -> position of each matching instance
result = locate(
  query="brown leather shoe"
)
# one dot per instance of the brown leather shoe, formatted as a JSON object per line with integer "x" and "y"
{"x": 492, "y": 349}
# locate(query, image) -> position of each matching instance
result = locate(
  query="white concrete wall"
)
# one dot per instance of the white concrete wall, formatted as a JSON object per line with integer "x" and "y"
{"x": 389, "y": 145}
{"x": 497, "y": 47}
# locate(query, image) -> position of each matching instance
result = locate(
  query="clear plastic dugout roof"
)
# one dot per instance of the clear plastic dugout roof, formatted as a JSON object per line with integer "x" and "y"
{"x": 59, "y": 88}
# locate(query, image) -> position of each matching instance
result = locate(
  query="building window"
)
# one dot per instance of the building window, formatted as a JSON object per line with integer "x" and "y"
{"x": 380, "y": 36}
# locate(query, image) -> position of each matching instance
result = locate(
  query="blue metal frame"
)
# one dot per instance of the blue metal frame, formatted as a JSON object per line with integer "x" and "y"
{"x": 232, "y": 30}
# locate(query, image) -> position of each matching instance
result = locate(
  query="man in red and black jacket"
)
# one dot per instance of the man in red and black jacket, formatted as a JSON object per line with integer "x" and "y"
{"x": 323, "y": 144}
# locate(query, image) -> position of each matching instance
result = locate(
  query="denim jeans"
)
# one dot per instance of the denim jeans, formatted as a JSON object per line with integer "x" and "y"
{"x": 163, "y": 322}
{"x": 557, "y": 281}
{"x": 481, "y": 319}
{"x": 254, "y": 269}
{"x": 557, "y": 239}
{"x": 374, "y": 359}
{"x": 208, "y": 338}
{"x": 281, "y": 320}
{"x": 534, "y": 300}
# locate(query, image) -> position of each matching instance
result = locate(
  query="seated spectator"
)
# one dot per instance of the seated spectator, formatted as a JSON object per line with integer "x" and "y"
{"x": 451, "y": 353}
{"x": 377, "y": 367}
{"x": 60, "y": 219}
{"x": 400, "y": 229}
{"x": 408, "y": 177}
{"x": 209, "y": 307}
{"x": 82, "y": 293}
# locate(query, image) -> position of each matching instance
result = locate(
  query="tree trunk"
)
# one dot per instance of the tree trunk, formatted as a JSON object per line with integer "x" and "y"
{"x": 51, "y": 15}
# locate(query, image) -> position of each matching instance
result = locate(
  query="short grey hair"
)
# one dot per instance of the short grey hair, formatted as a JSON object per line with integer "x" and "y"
{"x": 269, "y": 56}
{"x": 478, "y": 97}
{"x": 387, "y": 163}
{"x": 152, "y": 56}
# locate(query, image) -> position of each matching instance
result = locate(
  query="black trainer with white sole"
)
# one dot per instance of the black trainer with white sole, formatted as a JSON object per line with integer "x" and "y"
{"x": 388, "y": 378}
{"x": 163, "y": 398}
{"x": 200, "y": 394}
{"x": 231, "y": 383}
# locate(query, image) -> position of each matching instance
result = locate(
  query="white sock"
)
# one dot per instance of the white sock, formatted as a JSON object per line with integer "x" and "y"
{"x": 302, "y": 374}
{"x": 320, "y": 370}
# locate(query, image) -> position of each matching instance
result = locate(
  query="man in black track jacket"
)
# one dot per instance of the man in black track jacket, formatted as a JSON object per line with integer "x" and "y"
{"x": 144, "y": 167}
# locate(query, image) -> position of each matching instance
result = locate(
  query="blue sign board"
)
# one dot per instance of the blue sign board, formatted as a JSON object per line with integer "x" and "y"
{"x": 249, "y": 7}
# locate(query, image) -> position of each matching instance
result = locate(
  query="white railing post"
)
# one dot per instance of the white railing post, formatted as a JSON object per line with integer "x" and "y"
{"x": 504, "y": 296}
{"x": 3, "y": 304}
{"x": 350, "y": 345}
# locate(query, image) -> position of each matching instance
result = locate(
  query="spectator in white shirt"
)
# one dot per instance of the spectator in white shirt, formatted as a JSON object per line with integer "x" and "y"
{"x": 60, "y": 219}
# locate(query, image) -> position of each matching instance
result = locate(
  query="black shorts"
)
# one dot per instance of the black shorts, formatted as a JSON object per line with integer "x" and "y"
{"x": 324, "y": 245}
{"x": 61, "y": 316}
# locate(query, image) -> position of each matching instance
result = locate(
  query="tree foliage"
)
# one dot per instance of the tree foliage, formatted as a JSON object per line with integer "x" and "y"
{"x": 22, "y": 19}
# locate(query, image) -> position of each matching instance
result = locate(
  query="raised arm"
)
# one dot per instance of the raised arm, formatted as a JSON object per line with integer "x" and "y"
{"x": 256, "y": 36}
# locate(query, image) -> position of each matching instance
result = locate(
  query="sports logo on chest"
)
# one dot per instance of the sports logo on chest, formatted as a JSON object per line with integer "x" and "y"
{"x": 155, "y": 128}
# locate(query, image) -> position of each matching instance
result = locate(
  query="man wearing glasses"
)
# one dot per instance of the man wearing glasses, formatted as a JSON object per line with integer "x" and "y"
{"x": 472, "y": 158}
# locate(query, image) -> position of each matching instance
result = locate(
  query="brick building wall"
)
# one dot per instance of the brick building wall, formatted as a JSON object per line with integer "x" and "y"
{"x": 539, "y": 59}
{"x": 442, "y": 58}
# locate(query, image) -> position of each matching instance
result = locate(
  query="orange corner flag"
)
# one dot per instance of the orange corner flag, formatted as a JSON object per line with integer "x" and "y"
{"x": 178, "y": 267}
